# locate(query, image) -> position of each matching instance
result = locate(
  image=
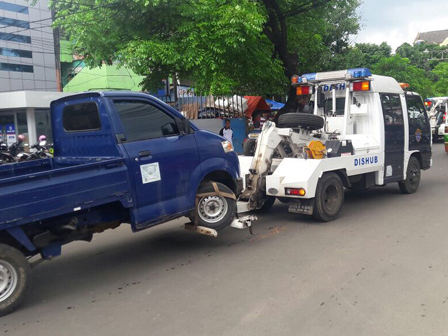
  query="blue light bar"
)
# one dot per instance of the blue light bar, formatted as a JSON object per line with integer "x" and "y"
{"x": 308, "y": 78}
{"x": 359, "y": 72}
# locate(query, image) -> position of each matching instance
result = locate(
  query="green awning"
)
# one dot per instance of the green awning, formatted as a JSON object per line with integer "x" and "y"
{"x": 105, "y": 78}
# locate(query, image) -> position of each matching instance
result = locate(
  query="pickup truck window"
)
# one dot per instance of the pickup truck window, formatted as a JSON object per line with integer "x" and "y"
{"x": 81, "y": 117}
{"x": 143, "y": 121}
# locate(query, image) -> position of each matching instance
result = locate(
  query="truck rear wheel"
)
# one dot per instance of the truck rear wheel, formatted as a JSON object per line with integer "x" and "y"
{"x": 14, "y": 278}
{"x": 267, "y": 204}
{"x": 249, "y": 147}
{"x": 410, "y": 185}
{"x": 329, "y": 197}
{"x": 215, "y": 210}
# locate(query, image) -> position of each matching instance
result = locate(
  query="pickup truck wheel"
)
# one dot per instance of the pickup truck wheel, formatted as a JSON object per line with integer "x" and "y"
{"x": 329, "y": 197}
{"x": 410, "y": 185}
{"x": 304, "y": 120}
{"x": 14, "y": 278}
{"x": 215, "y": 211}
{"x": 249, "y": 147}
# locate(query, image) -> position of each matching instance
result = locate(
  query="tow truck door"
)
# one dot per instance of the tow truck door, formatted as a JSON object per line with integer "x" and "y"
{"x": 393, "y": 137}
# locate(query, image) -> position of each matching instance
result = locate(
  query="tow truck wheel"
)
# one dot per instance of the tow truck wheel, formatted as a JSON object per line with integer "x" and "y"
{"x": 410, "y": 185}
{"x": 329, "y": 197}
{"x": 14, "y": 278}
{"x": 249, "y": 147}
{"x": 215, "y": 211}
{"x": 267, "y": 204}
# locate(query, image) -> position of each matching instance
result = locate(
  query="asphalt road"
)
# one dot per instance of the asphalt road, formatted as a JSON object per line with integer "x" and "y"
{"x": 380, "y": 269}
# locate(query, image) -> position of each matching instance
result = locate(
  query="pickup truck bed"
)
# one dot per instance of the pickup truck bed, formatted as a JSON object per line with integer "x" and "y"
{"x": 57, "y": 186}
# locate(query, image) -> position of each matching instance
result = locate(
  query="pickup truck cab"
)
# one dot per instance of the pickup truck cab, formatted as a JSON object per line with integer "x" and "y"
{"x": 365, "y": 131}
{"x": 120, "y": 157}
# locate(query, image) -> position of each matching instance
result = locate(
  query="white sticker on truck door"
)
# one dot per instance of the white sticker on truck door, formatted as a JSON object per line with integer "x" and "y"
{"x": 150, "y": 172}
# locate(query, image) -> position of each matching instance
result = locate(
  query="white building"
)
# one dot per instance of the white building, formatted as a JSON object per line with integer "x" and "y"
{"x": 28, "y": 113}
{"x": 27, "y": 52}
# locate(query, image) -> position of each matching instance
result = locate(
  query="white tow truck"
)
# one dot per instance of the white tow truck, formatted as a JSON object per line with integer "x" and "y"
{"x": 437, "y": 116}
{"x": 365, "y": 131}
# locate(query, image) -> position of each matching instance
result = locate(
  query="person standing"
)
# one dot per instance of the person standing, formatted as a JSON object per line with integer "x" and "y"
{"x": 227, "y": 132}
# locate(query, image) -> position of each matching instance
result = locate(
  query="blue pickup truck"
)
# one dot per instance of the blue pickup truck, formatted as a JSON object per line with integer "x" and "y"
{"x": 120, "y": 157}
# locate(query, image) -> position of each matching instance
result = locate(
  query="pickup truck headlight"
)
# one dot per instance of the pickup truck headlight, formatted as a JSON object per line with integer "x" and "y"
{"x": 227, "y": 146}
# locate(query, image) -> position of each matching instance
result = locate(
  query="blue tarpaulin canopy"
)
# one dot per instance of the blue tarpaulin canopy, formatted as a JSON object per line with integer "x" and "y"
{"x": 274, "y": 105}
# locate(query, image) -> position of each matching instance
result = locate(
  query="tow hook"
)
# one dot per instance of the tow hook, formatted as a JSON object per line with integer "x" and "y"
{"x": 244, "y": 222}
{"x": 201, "y": 229}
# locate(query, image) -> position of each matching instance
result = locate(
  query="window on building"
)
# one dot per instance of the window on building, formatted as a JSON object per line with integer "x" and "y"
{"x": 16, "y": 53}
{"x": 15, "y": 38}
{"x": 14, "y": 22}
{"x": 13, "y": 7}
{"x": 81, "y": 117}
{"x": 16, "y": 67}
{"x": 142, "y": 121}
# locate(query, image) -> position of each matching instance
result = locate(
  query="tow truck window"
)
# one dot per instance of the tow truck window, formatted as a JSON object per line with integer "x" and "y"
{"x": 416, "y": 112}
{"x": 340, "y": 106}
{"x": 142, "y": 121}
{"x": 393, "y": 112}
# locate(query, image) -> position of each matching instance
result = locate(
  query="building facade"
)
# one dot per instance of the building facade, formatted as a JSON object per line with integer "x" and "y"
{"x": 27, "y": 48}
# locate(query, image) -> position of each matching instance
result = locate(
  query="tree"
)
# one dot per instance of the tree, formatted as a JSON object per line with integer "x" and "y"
{"x": 401, "y": 69}
{"x": 441, "y": 84}
{"x": 361, "y": 55}
{"x": 420, "y": 55}
{"x": 222, "y": 45}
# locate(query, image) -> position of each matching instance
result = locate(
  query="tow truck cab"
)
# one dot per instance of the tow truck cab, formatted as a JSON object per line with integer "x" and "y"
{"x": 437, "y": 112}
{"x": 365, "y": 131}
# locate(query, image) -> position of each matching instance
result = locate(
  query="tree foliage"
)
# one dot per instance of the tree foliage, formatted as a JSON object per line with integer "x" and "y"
{"x": 222, "y": 45}
{"x": 441, "y": 82}
{"x": 401, "y": 69}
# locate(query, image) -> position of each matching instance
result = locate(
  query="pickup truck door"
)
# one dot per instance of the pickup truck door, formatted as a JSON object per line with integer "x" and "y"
{"x": 161, "y": 160}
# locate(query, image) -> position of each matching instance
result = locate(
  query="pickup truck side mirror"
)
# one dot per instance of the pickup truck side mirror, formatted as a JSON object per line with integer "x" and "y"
{"x": 187, "y": 127}
{"x": 183, "y": 125}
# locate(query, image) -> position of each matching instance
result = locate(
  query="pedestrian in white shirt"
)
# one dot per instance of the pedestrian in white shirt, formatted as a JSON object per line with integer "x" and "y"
{"x": 227, "y": 132}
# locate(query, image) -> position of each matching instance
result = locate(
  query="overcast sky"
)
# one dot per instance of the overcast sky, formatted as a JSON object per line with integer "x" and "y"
{"x": 399, "y": 21}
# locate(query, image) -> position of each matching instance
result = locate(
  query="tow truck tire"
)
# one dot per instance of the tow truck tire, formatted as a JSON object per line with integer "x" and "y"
{"x": 249, "y": 147}
{"x": 329, "y": 197}
{"x": 413, "y": 173}
{"x": 267, "y": 204}
{"x": 14, "y": 278}
{"x": 304, "y": 120}
{"x": 215, "y": 211}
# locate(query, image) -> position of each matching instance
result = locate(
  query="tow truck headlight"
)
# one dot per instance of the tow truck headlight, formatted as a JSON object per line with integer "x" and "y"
{"x": 227, "y": 146}
{"x": 295, "y": 191}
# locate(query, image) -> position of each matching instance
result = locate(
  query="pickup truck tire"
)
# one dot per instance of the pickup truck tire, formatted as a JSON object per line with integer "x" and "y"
{"x": 14, "y": 278}
{"x": 215, "y": 211}
{"x": 410, "y": 185}
{"x": 249, "y": 147}
{"x": 301, "y": 120}
{"x": 329, "y": 197}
